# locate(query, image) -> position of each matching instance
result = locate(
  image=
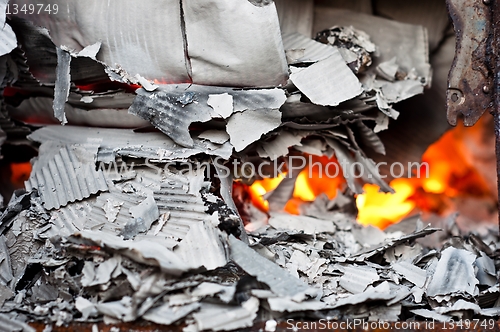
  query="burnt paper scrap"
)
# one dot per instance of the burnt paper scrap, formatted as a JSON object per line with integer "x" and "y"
{"x": 411, "y": 40}
{"x": 254, "y": 123}
{"x": 124, "y": 142}
{"x": 219, "y": 317}
{"x": 149, "y": 253}
{"x": 454, "y": 273}
{"x": 302, "y": 49}
{"x": 62, "y": 85}
{"x": 39, "y": 110}
{"x": 173, "y": 108}
{"x": 279, "y": 280}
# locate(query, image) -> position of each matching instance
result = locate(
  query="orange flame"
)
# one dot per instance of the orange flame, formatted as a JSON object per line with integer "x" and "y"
{"x": 450, "y": 175}
{"x": 259, "y": 188}
{"x": 383, "y": 209}
{"x": 311, "y": 182}
{"x": 446, "y": 174}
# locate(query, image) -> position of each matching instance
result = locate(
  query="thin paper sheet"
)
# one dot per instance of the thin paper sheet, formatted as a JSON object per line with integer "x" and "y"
{"x": 173, "y": 108}
{"x": 306, "y": 224}
{"x": 328, "y": 82}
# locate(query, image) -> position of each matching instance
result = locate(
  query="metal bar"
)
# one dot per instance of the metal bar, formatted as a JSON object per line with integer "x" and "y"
{"x": 471, "y": 77}
{"x": 474, "y": 79}
{"x": 495, "y": 45}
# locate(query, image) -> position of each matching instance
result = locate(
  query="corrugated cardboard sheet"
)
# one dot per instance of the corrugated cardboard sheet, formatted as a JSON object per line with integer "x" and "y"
{"x": 212, "y": 43}
{"x": 66, "y": 178}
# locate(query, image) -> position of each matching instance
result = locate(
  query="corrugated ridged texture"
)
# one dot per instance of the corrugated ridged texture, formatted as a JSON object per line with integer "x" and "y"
{"x": 125, "y": 142}
{"x": 203, "y": 246}
{"x": 145, "y": 182}
{"x": 98, "y": 220}
{"x": 356, "y": 279}
{"x": 122, "y": 196}
{"x": 68, "y": 220}
{"x": 185, "y": 208}
{"x": 64, "y": 178}
{"x": 166, "y": 112}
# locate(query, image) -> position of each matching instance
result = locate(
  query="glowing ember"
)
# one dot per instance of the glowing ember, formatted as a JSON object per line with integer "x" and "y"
{"x": 107, "y": 86}
{"x": 20, "y": 172}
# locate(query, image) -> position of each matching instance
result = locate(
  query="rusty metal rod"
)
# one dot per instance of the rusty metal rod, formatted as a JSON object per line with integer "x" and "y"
{"x": 496, "y": 87}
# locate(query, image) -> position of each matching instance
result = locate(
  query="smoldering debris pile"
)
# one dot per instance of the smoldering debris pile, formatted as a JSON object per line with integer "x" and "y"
{"x": 156, "y": 248}
{"x": 126, "y": 216}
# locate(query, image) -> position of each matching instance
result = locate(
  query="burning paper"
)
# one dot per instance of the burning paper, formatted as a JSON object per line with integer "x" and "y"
{"x": 145, "y": 232}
